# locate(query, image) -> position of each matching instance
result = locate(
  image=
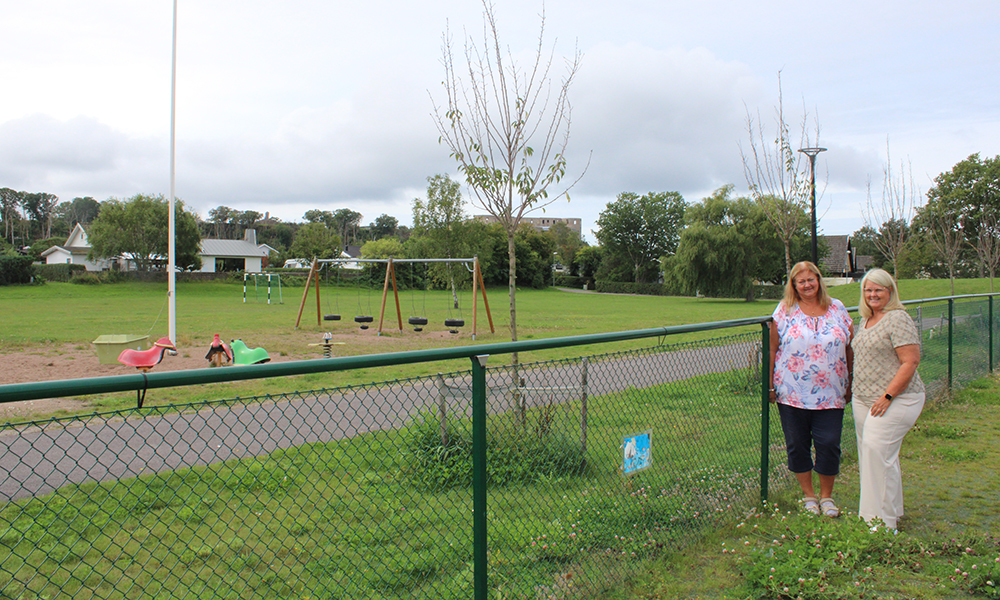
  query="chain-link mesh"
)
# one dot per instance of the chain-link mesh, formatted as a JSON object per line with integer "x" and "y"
{"x": 366, "y": 491}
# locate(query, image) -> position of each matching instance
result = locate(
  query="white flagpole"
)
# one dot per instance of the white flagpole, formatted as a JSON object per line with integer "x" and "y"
{"x": 171, "y": 246}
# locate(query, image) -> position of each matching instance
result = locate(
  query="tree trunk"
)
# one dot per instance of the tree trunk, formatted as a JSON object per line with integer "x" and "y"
{"x": 512, "y": 286}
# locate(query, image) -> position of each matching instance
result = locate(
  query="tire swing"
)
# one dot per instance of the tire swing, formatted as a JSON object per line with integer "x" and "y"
{"x": 333, "y": 316}
{"x": 363, "y": 320}
{"x": 417, "y": 322}
{"x": 451, "y": 323}
{"x": 454, "y": 324}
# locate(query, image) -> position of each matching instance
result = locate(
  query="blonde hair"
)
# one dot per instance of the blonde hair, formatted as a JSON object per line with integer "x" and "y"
{"x": 792, "y": 295}
{"x": 883, "y": 279}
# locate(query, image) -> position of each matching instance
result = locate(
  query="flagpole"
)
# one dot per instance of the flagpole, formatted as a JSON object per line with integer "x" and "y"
{"x": 171, "y": 245}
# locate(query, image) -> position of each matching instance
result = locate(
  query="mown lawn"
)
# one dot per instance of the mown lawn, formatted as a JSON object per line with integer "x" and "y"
{"x": 948, "y": 545}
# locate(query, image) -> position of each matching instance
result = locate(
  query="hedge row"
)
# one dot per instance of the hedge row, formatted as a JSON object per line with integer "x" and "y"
{"x": 15, "y": 270}
{"x": 760, "y": 292}
{"x": 58, "y": 272}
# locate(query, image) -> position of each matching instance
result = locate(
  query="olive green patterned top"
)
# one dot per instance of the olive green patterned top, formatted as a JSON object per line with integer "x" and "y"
{"x": 875, "y": 360}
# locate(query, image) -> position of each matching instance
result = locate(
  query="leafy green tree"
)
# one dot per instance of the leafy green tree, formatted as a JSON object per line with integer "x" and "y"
{"x": 727, "y": 246}
{"x": 643, "y": 229}
{"x": 319, "y": 216}
{"x": 136, "y": 229}
{"x": 568, "y": 242}
{"x": 315, "y": 240}
{"x": 969, "y": 194}
{"x": 39, "y": 246}
{"x": 507, "y": 129}
{"x": 588, "y": 260}
{"x": 863, "y": 242}
{"x": 346, "y": 223}
{"x": 39, "y": 207}
{"x": 10, "y": 201}
{"x": 384, "y": 248}
{"x": 383, "y": 226}
{"x": 221, "y": 217}
{"x": 83, "y": 210}
{"x": 440, "y": 224}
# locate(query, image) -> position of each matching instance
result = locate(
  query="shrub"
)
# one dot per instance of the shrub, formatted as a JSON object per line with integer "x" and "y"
{"x": 16, "y": 269}
{"x": 517, "y": 454}
{"x": 58, "y": 272}
{"x": 87, "y": 279}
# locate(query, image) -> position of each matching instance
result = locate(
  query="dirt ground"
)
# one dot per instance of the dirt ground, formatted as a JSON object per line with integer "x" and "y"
{"x": 74, "y": 361}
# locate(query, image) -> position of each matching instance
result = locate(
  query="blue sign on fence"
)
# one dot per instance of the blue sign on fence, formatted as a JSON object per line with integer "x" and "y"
{"x": 637, "y": 452}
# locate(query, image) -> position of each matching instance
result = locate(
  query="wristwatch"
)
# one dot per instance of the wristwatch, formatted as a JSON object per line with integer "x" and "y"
{"x": 888, "y": 397}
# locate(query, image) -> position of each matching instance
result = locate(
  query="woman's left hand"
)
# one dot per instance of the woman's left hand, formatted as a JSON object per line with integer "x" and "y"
{"x": 881, "y": 405}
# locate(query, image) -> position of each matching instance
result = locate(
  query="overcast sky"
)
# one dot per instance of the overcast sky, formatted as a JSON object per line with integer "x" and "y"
{"x": 288, "y": 106}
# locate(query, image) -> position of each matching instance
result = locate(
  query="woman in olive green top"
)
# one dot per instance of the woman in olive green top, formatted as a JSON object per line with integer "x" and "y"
{"x": 888, "y": 394}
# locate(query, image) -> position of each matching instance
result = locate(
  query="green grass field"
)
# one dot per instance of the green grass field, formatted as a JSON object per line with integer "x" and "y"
{"x": 63, "y": 313}
{"x": 299, "y": 522}
{"x": 948, "y": 546}
{"x": 63, "y": 319}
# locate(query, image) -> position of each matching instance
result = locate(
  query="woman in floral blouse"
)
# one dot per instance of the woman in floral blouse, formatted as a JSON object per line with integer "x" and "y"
{"x": 811, "y": 364}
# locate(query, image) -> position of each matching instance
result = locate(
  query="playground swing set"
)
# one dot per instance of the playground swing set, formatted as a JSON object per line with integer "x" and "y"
{"x": 418, "y": 322}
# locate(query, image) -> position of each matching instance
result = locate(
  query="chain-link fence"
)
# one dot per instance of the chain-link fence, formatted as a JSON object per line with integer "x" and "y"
{"x": 538, "y": 480}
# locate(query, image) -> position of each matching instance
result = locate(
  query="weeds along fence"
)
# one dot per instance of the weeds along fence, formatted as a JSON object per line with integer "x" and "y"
{"x": 554, "y": 479}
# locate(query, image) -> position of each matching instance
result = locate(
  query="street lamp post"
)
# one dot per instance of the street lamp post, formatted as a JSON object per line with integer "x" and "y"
{"x": 554, "y": 268}
{"x": 811, "y": 153}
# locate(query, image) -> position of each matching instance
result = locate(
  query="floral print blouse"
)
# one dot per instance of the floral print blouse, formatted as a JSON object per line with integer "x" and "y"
{"x": 810, "y": 367}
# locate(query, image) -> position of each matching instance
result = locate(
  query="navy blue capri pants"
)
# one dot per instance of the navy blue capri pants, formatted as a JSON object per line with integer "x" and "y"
{"x": 805, "y": 429}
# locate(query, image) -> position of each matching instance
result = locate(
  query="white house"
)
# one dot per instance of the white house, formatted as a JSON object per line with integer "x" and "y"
{"x": 74, "y": 252}
{"x": 213, "y": 250}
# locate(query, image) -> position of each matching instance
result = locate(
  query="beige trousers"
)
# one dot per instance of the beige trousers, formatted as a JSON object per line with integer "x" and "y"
{"x": 879, "y": 440}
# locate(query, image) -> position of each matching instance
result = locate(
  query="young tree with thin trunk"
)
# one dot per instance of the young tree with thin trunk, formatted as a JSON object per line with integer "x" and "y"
{"x": 777, "y": 174}
{"x": 891, "y": 216}
{"x": 507, "y": 126}
{"x": 945, "y": 234}
{"x": 988, "y": 243}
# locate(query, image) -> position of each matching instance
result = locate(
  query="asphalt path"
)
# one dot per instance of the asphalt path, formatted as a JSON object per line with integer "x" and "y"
{"x": 37, "y": 460}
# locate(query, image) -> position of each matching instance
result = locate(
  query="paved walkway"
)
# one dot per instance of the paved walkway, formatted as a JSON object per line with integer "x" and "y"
{"x": 39, "y": 460}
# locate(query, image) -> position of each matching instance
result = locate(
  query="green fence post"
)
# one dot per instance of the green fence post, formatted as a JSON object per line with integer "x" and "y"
{"x": 989, "y": 320}
{"x": 951, "y": 328}
{"x": 479, "y": 522}
{"x": 765, "y": 407}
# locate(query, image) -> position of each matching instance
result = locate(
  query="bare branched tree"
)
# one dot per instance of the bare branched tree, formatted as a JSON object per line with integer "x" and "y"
{"x": 988, "y": 243}
{"x": 508, "y": 128}
{"x": 778, "y": 175}
{"x": 946, "y": 236}
{"x": 890, "y": 217}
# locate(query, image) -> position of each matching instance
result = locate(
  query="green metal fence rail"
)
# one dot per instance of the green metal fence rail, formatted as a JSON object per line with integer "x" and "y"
{"x": 502, "y": 481}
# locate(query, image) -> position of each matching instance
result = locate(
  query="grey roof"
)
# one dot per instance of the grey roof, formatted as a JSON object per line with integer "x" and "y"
{"x": 837, "y": 261}
{"x": 231, "y": 249}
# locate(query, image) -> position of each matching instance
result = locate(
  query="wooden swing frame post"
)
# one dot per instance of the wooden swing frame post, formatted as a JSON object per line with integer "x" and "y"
{"x": 313, "y": 270}
{"x": 390, "y": 273}
{"x": 390, "y": 277}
